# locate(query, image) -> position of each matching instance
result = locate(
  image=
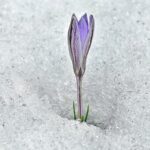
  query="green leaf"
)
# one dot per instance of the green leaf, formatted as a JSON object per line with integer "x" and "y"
{"x": 87, "y": 112}
{"x": 74, "y": 111}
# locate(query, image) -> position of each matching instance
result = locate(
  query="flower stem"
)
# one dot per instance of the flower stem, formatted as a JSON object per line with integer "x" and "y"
{"x": 74, "y": 111}
{"x": 79, "y": 96}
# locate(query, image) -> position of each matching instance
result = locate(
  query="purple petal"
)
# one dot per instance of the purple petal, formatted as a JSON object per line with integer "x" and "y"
{"x": 88, "y": 40}
{"x": 91, "y": 20}
{"x": 75, "y": 44}
{"x": 85, "y": 17}
{"x": 90, "y": 35}
{"x": 83, "y": 27}
{"x": 73, "y": 18}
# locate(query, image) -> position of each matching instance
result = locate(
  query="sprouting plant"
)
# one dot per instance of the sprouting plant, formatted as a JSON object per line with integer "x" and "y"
{"x": 80, "y": 36}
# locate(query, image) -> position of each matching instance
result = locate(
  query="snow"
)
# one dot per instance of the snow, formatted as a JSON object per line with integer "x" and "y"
{"x": 37, "y": 84}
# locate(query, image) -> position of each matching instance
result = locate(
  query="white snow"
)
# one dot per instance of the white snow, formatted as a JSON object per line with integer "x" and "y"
{"x": 37, "y": 84}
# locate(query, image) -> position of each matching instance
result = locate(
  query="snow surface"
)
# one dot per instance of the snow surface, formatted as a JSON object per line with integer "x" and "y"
{"x": 37, "y": 84}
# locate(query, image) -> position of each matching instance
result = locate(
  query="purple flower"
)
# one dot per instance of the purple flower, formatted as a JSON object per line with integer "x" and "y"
{"x": 80, "y": 36}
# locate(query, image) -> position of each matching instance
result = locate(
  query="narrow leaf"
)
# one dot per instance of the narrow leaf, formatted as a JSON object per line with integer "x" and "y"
{"x": 87, "y": 112}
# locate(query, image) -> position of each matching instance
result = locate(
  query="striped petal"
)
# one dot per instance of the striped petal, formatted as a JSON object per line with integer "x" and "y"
{"x": 74, "y": 43}
{"x": 88, "y": 40}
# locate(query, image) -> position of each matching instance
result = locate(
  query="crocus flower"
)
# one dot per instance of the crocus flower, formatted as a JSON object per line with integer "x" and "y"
{"x": 80, "y": 36}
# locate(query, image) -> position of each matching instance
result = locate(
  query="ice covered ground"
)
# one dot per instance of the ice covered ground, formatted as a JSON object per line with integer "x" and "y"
{"x": 37, "y": 84}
